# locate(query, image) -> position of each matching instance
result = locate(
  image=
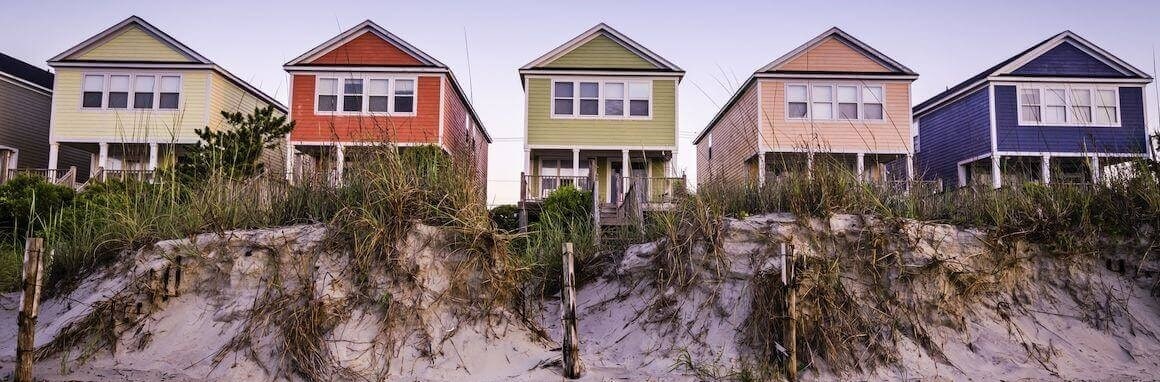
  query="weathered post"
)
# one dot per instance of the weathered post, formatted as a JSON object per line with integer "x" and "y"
{"x": 29, "y": 306}
{"x": 790, "y": 280}
{"x": 571, "y": 345}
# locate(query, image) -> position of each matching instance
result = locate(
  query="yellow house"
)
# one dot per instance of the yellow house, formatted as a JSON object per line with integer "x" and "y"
{"x": 132, "y": 94}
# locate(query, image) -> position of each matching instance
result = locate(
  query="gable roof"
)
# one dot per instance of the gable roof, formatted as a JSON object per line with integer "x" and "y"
{"x": 198, "y": 61}
{"x": 24, "y": 71}
{"x": 841, "y": 36}
{"x": 599, "y": 30}
{"x": 1014, "y": 63}
{"x": 362, "y": 28}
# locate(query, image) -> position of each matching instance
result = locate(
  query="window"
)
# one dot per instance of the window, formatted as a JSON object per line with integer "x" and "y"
{"x": 93, "y": 91}
{"x": 170, "y": 92}
{"x": 872, "y": 100}
{"x": 1055, "y": 110}
{"x": 589, "y": 98}
{"x": 352, "y": 94}
{"x": 601, "y": 99}
{"x": 143, "y": 92}
{"x": 639, "y": 96}
{"x": 1107, "y": 107}
{"x": 562, "y": 98}
{"x": 1030, "y": 105}
{"x": 614, "y": 99}
{"x": 378, "y": 95}
{"x": 823, "y": 106}
{"x": 327, "y": 94}
{"x": 847, "y": 102}
{"x": 118, "y": 92}
{"x": 404, "y": 96}
{"x": 797, "y": 95}
{"x": 1068, "y": 105}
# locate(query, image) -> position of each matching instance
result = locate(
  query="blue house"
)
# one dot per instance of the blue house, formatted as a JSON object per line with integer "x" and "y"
{"x": 1061, "y": 111}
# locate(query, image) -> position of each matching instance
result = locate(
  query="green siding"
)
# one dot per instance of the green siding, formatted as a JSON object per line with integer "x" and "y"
{"x": 601, "y": 52}
{"x": 658, "y": 131}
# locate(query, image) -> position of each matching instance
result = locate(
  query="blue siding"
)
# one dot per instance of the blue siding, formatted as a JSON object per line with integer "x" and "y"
{"x": 1066, "y": 60}
{"x": 1129, "y": 138}
{"x": 953, "y": 132}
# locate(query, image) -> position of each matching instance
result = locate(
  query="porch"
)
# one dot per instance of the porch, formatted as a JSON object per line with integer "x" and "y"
{"x": 869, "y": 167}
{"x": 609, "y": 174}
{"x": 121, "y": 160}
{"x": 1013, "y": 169}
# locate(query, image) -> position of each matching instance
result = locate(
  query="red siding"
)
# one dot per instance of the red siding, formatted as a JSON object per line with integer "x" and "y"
{"x": 421, "y": 128}
{"x": 367, "y": 49}
{"x": 461, "y": 137}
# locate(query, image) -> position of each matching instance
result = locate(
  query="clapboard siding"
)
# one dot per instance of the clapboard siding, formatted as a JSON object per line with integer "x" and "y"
{"x": 229, "y": 97}
{"x": 891, "y": 135}
{"x": 423, "y": 127}
{"x": 660, "y": 130}
{"x": 74, "y": 124}
{"x": 1067, "y": 60}
{"x": 1129, "y": 138}
{"x": 954, "y": 132}
{"x": 832, "y": 55}
{"x": 24, "y": 121}
{"x": 367, "y": 49}
{"x": 734, "y": 141}
{"x": 133, "y": 44}
{"x": 601, "y": 52}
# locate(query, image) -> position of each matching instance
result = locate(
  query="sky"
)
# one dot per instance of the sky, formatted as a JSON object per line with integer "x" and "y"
{"x": 719, "y": 43}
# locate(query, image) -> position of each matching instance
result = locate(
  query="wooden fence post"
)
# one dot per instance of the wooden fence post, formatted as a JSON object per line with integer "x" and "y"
{"x": 571, "y": 344}
{"x": 790, "y": 280}
{"x": 29, "y": 307}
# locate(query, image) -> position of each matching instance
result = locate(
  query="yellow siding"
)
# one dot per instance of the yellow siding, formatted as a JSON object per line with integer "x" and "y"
{"x": 228, "y": 96}
{"x": 73, "y": 124}
{"x": 601, "y": 52}
{"x": 629, "y": 133}
{"x": 832, "y": 55}
{"x": 891, "y": 135}
{"x": 133, "y": 44}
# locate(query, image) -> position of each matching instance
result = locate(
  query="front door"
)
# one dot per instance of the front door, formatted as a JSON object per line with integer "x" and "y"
{"x": 616, "y": 183}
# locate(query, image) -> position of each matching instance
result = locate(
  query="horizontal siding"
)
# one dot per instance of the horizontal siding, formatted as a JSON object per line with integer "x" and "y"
{"x": 1129, "y": 138}
{"x": 1066, "y": 60}
{"x": 600, "y": 52}
{"x": 421, "y": 128}
{"x": 956, "y": 131}
{"x": 367, "y": 49}
{"x": 832, "y": 55}
{"x": 229, "y": 97}
{"x": 658, "y": 131}
{"x": 133, "y": 44}
{"x": 892, "y": 134}
{"x": 734, "y": 139}
{"x": 81, "y": 125}
{"x": 24, "y": 121}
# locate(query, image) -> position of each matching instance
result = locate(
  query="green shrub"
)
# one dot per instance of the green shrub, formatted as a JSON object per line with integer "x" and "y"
{"x": 506, "y": 217}
{"x": 26, "y": 202}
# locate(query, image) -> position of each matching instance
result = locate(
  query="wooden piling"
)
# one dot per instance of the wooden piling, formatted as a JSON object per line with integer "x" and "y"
{"x": 571, "y": 343}
{"x": 790, "y": 280}
{"x": 31, "y": 282}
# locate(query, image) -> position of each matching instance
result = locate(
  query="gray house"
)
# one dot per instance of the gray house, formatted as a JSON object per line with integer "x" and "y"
{"x": 25, "y": 112}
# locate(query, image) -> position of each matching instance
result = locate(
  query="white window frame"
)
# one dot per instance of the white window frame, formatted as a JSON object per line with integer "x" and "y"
{"x": 1070, "y": 120}
{"x": 835, "y": 115}
{"x": 627, "y": 98}
{"x": 107, "y": 84}
{"x": 366, "y": 95}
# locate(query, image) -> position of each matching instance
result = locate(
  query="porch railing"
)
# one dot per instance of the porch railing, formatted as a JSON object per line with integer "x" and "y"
{"x": 658, "y": 190}
{"x": 538, "y": 187}
{"x": 123, "y": 175}
{"x": 65, "y": 177}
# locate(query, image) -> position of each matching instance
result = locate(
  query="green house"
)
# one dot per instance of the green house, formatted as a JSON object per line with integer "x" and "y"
{"x": 600, "y": 113}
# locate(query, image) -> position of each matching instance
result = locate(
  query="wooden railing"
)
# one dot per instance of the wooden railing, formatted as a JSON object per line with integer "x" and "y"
{"x": 536, "y": 187}
{"x": 64, "y": 177}
{"x": 662, "y": 190}
{"x": 124, "y": 175}
{"x": 632, "y": 208}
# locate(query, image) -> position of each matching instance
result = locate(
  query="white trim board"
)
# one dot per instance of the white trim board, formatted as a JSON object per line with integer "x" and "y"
{"x": 616, "y": 36}
{"x": 367, "y": 26}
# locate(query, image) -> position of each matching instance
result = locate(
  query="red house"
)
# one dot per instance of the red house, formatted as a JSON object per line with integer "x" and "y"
{"x": 367, "y": 87}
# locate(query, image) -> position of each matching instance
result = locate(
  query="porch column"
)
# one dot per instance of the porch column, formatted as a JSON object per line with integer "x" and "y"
{"x": 625, "y": 169}
{"x": 339, "y": 163}
{"x": 761, "y": 168}
{"x": 289, "y": 162}
{"x": 528, "y": 161}
{"x": 103, "y": 155}
{"x": 1045, "y": 168}
{"x": 962, "y": 174}
{"x": 861, "y": 167}
{"x": 671, "y": 171}
{"x": 909, "y": 167}
{"x": 575, "y": 162}
{"x": 996, "y": 177}
{"x": 1095, "y": 165}
{"x": 810, "y": 164}
{"x": 53, "y": 155}
{"x": 152, "y": 157}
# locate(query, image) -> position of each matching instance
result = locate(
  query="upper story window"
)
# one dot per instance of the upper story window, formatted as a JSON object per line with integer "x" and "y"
{"x": 1068, "y": 105}
{"x": 149, "y": 91}
{"x": 365, "y": 94}
{"x": 601, "y": 99}
{"x": 827, "y": 101}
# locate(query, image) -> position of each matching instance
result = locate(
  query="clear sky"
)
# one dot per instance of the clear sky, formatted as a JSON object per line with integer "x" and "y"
{"x": 719, "y": 43}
